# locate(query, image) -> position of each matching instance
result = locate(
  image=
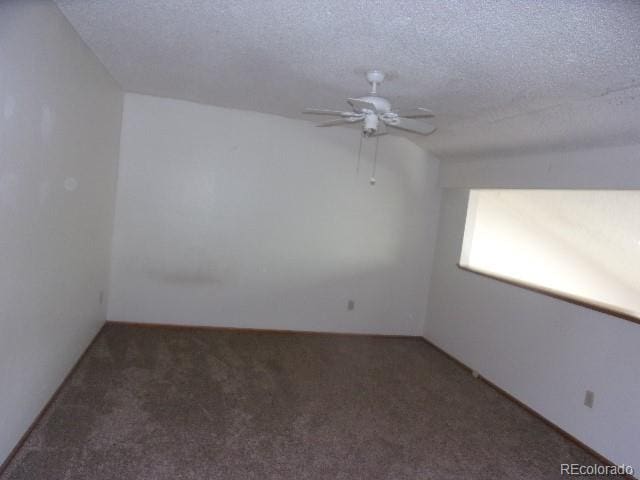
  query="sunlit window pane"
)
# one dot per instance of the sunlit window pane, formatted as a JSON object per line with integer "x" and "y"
{"x": 580, "y": 244}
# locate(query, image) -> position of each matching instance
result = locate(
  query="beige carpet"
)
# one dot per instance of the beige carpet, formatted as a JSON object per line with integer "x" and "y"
{"x": 169, "y": 404}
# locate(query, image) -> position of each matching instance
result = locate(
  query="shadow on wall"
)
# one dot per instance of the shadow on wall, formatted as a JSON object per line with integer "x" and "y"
{"x": 286, "y": 301}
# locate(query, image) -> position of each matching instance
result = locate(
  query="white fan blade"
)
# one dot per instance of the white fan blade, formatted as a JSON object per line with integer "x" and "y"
{"x": 416, "y": 112}
{"x": 359, "y": 105}
{"x": 322, "y": 111}
{"x": 415, "y": 126}
{"x": 331, "y": 123}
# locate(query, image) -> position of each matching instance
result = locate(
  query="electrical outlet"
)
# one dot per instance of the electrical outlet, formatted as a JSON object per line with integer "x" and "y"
{"x": 589, "y": 397}
{"x": 351, "y": 305}
{"x": 101, "y": 296}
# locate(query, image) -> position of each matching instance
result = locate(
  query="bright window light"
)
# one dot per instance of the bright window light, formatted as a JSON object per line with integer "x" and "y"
{"x": 578, "y": 245}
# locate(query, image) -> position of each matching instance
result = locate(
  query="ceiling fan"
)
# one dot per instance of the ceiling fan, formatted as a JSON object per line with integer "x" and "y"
{"x": 376, "y": 114}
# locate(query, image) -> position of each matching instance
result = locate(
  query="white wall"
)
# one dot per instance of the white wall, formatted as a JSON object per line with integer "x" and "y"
{"x": 60, "y": 117}
{"x": 234, "y": 218}
{"x": 544, "y": 351}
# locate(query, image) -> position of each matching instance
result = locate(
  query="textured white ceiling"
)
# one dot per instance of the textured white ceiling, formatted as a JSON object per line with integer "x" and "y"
{"x": 503, "y": 76}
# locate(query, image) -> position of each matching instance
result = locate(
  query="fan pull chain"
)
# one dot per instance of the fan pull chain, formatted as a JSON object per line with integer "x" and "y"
{"x": 359, "y": 152}
{"x": 372, "y": 180}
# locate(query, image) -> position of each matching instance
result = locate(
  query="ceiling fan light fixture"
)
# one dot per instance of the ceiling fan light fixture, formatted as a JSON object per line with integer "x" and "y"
{"x": 370, "y": 124}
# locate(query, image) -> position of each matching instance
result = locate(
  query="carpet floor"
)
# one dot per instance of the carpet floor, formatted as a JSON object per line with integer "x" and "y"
{"x": 156, "y": 404}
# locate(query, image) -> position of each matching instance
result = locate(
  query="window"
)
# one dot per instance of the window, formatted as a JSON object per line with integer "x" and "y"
{"x": 579, "y": 245}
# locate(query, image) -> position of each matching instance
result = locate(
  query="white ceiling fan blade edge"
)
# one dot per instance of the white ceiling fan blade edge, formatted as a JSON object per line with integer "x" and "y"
{"x": 414, "y": 126}
{"x": 338, "y": 121}
{"x": 416, "y": 112}
{"x": 322, "y": 111}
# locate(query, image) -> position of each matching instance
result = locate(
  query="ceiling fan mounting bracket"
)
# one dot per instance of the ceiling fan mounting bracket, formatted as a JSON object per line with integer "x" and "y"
{"x": 375, "y": 78}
